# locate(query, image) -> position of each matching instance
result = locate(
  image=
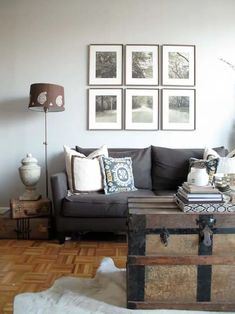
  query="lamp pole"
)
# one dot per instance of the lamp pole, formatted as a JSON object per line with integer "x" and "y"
{"x": 45, "y": 146}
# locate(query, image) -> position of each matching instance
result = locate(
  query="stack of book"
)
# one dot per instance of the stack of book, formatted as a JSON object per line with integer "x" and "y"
{"x": 193, "y": 195}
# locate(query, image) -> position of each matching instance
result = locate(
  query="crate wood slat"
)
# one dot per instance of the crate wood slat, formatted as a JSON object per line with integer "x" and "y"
{"x": 184, "y": 260}
{"x": 25, "y": 209}
{"x": 150, "y": 199}
{"x": 206, "y": 306}
{"x": 7, "y": 226}
{"x": 179, "y": 260}
{"x": 39, "y": 227}
{"x": 152, "y": 205}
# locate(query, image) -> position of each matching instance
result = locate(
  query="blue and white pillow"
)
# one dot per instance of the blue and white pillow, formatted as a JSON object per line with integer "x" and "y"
{"x": 117, "y": 175}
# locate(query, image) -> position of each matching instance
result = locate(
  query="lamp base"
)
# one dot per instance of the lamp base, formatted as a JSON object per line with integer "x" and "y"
{"x": 30, "y": 195}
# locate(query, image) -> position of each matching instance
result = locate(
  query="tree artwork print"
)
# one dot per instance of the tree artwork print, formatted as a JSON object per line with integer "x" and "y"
{"x": 106, "y": 108}
{"x": 106, "y": 64}
{"x": 142, "y": 64}
{"x": 178, "y": 109}
{"x": 142, "y": 109}
{"x": 178, "y": 67}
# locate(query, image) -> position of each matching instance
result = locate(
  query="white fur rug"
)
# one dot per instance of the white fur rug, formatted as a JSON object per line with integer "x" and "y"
{"x": 104, "y": 294}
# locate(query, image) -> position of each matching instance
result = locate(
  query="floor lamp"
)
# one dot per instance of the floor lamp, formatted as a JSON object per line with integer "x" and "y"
{"x": 46, "y": 98}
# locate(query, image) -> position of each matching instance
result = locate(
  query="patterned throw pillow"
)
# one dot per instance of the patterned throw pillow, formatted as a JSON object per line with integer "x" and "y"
{"x": 117, "y": 174}
{"x": 210, "y": 153}
{"x": 226, "y": 164}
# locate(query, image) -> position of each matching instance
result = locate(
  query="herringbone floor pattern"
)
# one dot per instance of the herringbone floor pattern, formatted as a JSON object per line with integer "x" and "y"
{"x": 29, "y": 266}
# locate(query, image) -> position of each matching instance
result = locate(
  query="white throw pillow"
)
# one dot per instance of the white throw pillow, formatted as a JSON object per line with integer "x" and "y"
{"x": 226, "y": 164}
{"x": 231, "y": 154}
{"x": 68, "y": 153}
{"x": 86, "y": 174}
{"x": 77, "y": 175}
{"x": 210, "y": 153}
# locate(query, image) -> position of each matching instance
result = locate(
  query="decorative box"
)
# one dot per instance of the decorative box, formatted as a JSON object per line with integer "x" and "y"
{"x": 27, "y": 209}
{"x": 179, "y": 260}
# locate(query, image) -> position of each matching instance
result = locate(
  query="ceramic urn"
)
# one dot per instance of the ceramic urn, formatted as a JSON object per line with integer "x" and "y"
{"x": 30, "y": 173}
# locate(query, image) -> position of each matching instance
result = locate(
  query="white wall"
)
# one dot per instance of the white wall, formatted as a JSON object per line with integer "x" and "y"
{"x": 46, "y": 41}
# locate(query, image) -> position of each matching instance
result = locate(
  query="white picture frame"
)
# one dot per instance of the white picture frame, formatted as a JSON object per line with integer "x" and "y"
{"x": 178, "y": 65}
{"x": 105, "y": 64}
{"x": 141, "y": 65}
{"x": 178, "y": 109}
{"x": 105, "y": 108}
{"x": 141, "y": 109}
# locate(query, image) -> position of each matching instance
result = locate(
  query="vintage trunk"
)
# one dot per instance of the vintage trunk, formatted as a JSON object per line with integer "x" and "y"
{"x": 25, "y": 228}
{"x": 25, "y": 209}
{"x": 179, "y": 260}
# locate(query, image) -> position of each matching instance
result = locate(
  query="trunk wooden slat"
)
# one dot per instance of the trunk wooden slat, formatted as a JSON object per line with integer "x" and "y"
{"x": 179, "y": 260}
{"x": 39, "y": 227}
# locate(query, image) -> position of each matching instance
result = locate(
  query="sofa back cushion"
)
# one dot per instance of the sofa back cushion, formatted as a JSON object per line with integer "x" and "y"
{"x": 141, "y": 163}
{"x": 170, "y": 166}
{"x": 81, "y": 170}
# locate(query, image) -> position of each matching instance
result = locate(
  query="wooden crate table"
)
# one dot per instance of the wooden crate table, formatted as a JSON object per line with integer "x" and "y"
{"x": 7, "y": 226}
{"x": 32, "y": 218}
{"x": 179, "y": 260}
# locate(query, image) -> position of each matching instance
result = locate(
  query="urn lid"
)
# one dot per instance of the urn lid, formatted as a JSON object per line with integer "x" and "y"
{"x": 29, "y": 159}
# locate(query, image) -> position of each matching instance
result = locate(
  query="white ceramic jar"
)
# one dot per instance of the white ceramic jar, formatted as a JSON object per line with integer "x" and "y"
{"x": 198, "y": 176}
{"x": 30, "y": 173}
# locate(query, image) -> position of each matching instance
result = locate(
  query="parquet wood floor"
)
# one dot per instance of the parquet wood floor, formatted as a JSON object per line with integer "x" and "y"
{"x": 29, "y": 266}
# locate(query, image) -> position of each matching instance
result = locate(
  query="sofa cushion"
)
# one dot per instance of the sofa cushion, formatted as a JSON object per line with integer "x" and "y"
{"x": 117, "y": 174}
{"x": 170, "y": 165}
{"x": 86, "y": 174}
{"x": 225, "y": 164}
{"x": 141, "y": 163}
{"x": 97, "y": 204}
{"x": 69, "y": 153}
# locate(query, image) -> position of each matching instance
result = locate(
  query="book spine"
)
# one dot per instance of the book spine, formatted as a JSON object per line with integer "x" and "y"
{"x": 199, "y": 195}
{"x": 199, "y": 200}
{"x": 198, "y": 189}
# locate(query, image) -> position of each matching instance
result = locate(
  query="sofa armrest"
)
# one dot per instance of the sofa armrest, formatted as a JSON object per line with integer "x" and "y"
{"x": 59, "y": 189}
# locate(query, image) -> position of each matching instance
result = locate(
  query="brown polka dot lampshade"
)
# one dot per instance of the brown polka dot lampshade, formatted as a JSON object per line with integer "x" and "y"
{"x": 46, "y": 97}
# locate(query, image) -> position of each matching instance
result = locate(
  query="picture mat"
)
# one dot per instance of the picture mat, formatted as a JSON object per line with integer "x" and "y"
{"x": 165, "y": 62}
{"x": 141, "y": 81}
{"x": 166, "y": 125}
{"x": 129, "y": 125}
{"x": 93, "y": 124}
{"x": 93, "y": 49}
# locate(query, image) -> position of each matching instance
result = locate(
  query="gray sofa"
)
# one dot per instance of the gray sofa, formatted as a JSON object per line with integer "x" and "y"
{"x": 156, "y": 170}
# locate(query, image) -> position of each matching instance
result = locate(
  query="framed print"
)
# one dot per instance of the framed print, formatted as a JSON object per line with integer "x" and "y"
{"x": 141, "y": 109}
{"x": 178, "y": 109}
{"x": 178, "y": 65}
{"x": 141, "y": 64}
{"x": 105, "y": 109}
{"x": 105, "y": 64}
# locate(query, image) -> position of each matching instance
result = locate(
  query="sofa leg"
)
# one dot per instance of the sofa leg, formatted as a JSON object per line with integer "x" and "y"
{"x": 61, "y": 237}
